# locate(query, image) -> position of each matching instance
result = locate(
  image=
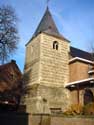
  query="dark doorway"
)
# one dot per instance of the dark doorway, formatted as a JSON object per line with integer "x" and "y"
{"x": 88, "y": 96}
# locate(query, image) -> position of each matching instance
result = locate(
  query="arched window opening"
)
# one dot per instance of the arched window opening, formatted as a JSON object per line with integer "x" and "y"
{"x": 88, "y": 96}
{"x": 55, "y": 45}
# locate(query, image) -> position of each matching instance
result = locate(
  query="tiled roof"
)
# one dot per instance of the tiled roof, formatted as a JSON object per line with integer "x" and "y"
{"x": 74, "y": 52}
{"x": 10, "y": 76}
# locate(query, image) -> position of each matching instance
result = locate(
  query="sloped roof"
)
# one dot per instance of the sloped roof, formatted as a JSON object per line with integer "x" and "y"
{"x": 10, "y": 76}
{"x": 74, "y": 52}
{"x": 47, "y": 24}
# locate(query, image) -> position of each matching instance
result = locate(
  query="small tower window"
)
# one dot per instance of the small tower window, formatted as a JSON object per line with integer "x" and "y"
{"x": 55, "y": 45}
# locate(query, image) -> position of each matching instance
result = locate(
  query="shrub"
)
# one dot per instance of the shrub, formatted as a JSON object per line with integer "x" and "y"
{"x": 75, "y": 109}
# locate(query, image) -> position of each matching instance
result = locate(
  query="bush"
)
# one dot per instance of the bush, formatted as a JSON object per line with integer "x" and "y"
{"x": 75, "y": 109}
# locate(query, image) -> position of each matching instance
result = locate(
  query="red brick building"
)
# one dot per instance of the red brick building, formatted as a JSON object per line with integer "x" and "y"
{"x": 10, "y": 82}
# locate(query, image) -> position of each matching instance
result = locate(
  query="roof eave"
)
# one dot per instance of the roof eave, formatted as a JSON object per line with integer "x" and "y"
{"x": 78, "y": 82}
{"x": 80, "y": 59}
{"x": 57, "y": 36}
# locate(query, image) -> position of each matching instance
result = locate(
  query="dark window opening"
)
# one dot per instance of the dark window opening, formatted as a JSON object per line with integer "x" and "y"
{"x": 55, "y": 45}
{"x": 88, "y": 96}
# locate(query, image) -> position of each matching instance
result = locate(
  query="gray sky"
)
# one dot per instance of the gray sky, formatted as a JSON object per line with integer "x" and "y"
{"x": 74, "y": 19}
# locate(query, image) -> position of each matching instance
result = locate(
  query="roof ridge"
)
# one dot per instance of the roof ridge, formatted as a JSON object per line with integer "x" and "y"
{"x": 80, "y": 49}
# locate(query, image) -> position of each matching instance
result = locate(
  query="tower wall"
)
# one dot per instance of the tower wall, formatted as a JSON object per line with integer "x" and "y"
{"x": 31, "y": 70}
{"x": 54, "y": 72}
{"x": 47, "y": 71}
{"x": 46, "y": 68}
{"x": 31, "y": 75}
{"x": 54, "y": 68}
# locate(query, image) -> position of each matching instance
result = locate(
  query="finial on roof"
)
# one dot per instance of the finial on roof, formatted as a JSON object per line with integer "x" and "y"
{"x": 47, "y": 3}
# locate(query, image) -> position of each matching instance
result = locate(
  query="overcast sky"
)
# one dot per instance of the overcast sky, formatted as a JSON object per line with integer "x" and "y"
{"x": 74, "y": 19}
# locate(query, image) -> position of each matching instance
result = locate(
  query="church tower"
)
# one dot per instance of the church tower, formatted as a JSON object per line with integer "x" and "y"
{"x": 46, "y": 69}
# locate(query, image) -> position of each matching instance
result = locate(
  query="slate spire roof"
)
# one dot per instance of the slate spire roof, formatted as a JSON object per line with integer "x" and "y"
{"x": 47, "y": 25}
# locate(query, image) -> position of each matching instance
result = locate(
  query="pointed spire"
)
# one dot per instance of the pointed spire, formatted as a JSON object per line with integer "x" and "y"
{"x": 47, "y": 25}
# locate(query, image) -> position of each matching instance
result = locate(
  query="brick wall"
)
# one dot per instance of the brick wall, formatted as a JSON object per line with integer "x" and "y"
{"x": 78, "y": 71}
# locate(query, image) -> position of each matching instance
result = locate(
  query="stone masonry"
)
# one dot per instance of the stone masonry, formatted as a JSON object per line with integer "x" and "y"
{"x": 47, "y": 71}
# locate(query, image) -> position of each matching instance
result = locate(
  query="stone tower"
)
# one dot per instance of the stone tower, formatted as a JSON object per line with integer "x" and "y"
{"x": 46, "y": 69}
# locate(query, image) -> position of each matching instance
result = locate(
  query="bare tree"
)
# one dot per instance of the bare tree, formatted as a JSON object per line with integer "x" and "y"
{"x": 8, "y": 32}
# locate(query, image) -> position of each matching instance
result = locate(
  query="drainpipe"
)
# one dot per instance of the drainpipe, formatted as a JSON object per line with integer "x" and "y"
{"x": 78, "y": 100}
